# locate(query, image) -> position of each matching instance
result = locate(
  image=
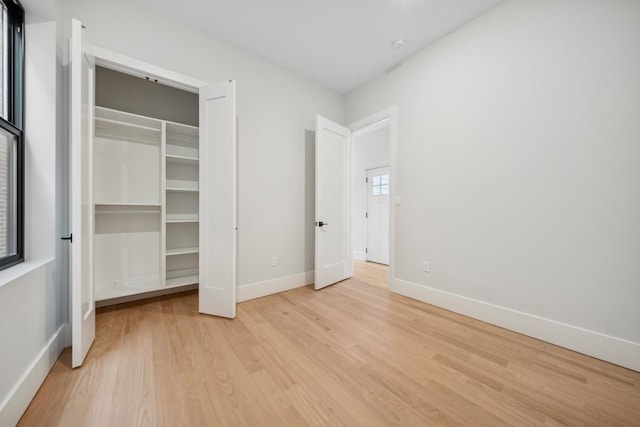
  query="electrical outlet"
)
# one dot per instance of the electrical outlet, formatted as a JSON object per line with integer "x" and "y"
{"x": 426, "y": 267}
{"x": 274, "y": 261}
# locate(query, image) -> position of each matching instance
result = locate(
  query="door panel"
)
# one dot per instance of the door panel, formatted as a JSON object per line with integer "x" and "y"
{"x": 332, "y": 236}
{"x": 378, "y": 187}
{"x": 217, "y": 288}
{"x": 81, "y": 100}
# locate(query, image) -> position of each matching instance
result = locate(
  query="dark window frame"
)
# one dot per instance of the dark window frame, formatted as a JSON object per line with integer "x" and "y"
{"x": 14, "y": 121}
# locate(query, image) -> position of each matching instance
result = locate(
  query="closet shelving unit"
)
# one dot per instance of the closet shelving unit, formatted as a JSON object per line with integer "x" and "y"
{"x": 182, "y": 204}
{"x": 146, "y": 203}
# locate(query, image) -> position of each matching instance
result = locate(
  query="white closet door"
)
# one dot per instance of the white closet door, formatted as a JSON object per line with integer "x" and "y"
{"x": 218, "y": 199}
{"x": 333, "y": 236}
{"x": 81, "y": 85}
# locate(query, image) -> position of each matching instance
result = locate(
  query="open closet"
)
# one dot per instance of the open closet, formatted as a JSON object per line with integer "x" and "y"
{"x": 152, "y": 186}
{"x": 146, "y": 190}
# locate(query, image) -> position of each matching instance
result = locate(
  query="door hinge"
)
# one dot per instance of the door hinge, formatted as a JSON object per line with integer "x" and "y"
{"x": 366, "y": 179}
{"x": 69, "y": 238}
{"x": 366, "y": 250}
{"x": 366, "y": 214}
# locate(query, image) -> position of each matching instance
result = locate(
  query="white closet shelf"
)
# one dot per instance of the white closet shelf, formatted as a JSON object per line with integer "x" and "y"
{"x": 110, "y": 123}
{"x": 127, "y": 208}
{"x": 174, "y": 126}
{"x": 173, "y": 218}
{"x": 182, "y": 160}
{"x": 129, "y": 132}
{"x": 183, "y": 251}
{"x": 103, "y": 113}
{"x": 182, "y": 190}
{"x": 182, "y": 281}
{"x": 127, "y": 204}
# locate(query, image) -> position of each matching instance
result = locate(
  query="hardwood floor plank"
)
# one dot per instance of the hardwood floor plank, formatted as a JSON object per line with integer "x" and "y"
{"x": 351, "y": 354}
{"x": 327, "y": 387}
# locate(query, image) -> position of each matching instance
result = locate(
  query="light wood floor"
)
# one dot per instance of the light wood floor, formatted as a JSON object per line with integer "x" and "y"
{"x": 351, "y": 354}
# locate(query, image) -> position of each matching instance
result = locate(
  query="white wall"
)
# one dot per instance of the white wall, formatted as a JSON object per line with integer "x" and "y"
{"x": 518, "y": 165}
{"x": 33, "y": 298}
{"x": 275, "y": 107}
{"x": 370, "y": 150}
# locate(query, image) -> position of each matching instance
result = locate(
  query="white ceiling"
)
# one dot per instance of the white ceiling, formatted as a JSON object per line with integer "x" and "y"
{"x": 340, "y": 44}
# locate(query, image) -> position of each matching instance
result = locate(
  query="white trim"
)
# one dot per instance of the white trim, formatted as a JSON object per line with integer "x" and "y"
{"x": 125, "y": 64}
{"x": 380, "y": 117}
{"x": 273, "y": 286}
{"x": 20, "y": 396}
{"x": 372, "y": 127}
{"x": 611, "y": 349}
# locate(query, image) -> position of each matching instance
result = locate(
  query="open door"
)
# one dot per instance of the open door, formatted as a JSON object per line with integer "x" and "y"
{"x": 81, "y": 86}
{"x": 333, "y": 237}
{"x": 217, "y": 288}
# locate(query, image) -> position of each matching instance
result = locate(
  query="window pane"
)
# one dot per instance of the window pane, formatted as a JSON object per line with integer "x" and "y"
{"x": 376, "y": 180}
{"x": 384, "y": 189}
{"x": 385, "y": 179}
{"x": 8, "y": 212}
{"x": 376, "y": 190}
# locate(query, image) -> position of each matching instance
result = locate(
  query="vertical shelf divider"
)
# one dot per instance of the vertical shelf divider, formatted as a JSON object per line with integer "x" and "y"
{"x": 163, "y": 205}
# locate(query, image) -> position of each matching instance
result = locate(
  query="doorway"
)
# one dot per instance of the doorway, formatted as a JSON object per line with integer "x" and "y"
{"x": 373, "y": 193}
{"x": 370, "y": 155}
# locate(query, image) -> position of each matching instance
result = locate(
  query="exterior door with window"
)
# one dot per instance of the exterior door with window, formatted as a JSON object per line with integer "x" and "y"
{"x": 378, "y": 215}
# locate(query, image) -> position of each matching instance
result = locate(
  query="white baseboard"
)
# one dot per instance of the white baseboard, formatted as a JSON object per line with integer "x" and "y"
{"x": 273, "y": 286}
{"x": 359, "y": 255}
{"x": 18, "y": 399}
{"x": 611, "y": 349}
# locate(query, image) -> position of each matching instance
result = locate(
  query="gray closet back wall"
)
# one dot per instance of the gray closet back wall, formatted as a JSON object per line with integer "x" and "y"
{"x": 123, "y": 92}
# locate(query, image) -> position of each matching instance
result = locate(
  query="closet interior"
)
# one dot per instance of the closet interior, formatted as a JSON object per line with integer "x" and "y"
{"x": 145, "y": 188}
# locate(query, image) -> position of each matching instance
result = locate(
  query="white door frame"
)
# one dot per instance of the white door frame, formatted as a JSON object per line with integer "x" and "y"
{"x": 391, "y": 114}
